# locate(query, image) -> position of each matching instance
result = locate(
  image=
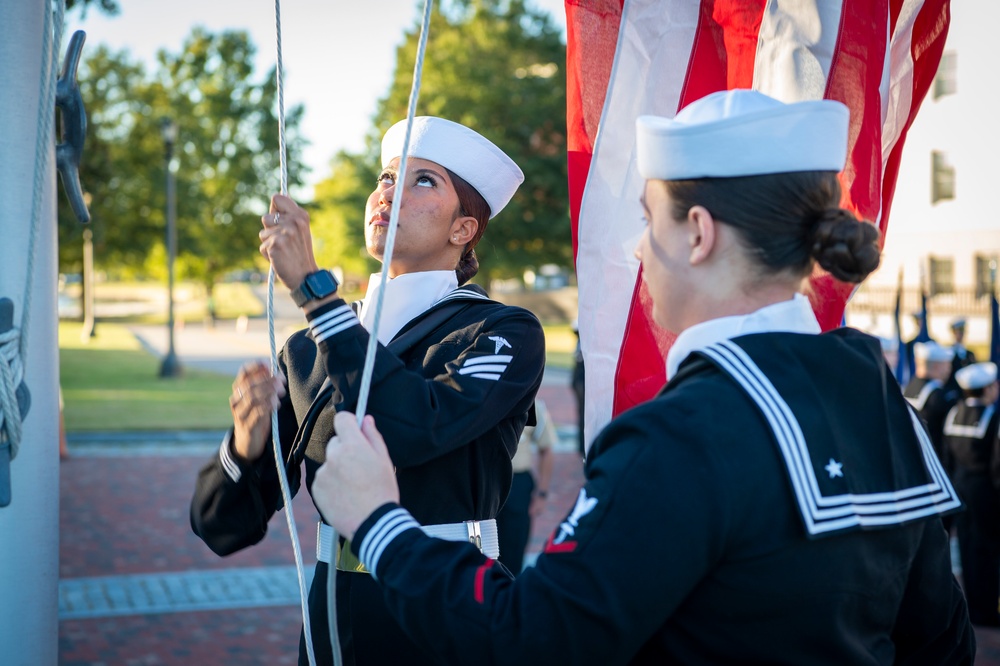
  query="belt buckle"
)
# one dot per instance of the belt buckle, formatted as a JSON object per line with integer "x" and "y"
{"x": 475, "y": 535}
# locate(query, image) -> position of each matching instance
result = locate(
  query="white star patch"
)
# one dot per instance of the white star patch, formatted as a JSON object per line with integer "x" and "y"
{"x": 834, "y": 468}
{"x": 501, "y": 343}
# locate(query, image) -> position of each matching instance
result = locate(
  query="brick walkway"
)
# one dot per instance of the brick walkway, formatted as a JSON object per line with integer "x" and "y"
{"x": 138, "y": 587}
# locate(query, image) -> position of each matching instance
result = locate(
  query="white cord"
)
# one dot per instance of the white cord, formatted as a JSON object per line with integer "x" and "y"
{"x": 369, "y": 367}
{"x": 276, "y": 440}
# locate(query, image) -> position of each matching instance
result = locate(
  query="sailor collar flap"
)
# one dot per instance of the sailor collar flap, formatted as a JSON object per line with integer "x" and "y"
{"x": 408, "y": 337}
{"x": 918, "y": 401}
{"x": 840, "y": 481}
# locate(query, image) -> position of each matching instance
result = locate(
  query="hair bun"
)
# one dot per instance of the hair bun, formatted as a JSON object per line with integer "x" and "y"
{"x": 844, "y": 246}
{"x": 467, "y": 267}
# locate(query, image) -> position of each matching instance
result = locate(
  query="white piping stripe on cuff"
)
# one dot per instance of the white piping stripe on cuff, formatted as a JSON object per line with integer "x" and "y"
{"x": 485, "y": 375}
{"x": 381, "y": 535}
{"x": 229, "y": 465}
{"x": 334, "y": 316}
{"x": 386, "y": 522}
{"x": 333, "y": 321}
{"x": 327, "y": 333}
{"x": 327, "y": 316}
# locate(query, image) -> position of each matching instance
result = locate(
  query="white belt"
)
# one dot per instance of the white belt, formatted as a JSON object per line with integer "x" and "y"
{"x": 481, "y": 533}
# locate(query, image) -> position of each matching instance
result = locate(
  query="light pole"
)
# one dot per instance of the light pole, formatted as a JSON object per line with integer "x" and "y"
{"x": 171, "y": 367}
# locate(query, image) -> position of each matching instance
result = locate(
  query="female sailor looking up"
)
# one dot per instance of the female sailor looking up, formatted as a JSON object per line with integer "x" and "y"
{"x": 455, "y": 376}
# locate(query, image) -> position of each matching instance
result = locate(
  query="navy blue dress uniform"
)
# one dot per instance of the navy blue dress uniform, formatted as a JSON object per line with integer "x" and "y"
{"x": 971, "y": 436}
{"x": 963, "y": 356}
{"x": 761, "y": 537}
{"x": 455, "y": 433}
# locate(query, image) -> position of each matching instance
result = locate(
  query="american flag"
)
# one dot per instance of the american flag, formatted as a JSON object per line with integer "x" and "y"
{"x": 627, "y": 58}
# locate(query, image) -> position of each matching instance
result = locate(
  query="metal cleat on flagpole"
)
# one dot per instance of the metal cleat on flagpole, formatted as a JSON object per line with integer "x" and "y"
{"x": 69, "y": 100}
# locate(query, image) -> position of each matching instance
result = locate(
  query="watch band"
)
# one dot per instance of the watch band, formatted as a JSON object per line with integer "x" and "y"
{"x": 316, "y": 285}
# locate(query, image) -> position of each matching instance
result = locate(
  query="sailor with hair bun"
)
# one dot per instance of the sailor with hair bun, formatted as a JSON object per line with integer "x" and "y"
{"x": 970, "y": 433}
{"x": 777, "y": 502}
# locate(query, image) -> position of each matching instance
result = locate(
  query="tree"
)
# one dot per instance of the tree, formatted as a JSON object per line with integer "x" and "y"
{"x": 226, "y": 155}
{"x": 109, "y": 7}
{"x": 496, "y": 66}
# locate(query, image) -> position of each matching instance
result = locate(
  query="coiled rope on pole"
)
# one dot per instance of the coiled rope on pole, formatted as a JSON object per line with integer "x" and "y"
{"x": 14, "y": 342}
{"x": 275, "y": 438}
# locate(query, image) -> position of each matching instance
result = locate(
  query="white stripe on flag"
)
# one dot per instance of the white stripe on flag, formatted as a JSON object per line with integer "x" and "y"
{"x": 610, "y": 216}
{"x": 795, "y": 49}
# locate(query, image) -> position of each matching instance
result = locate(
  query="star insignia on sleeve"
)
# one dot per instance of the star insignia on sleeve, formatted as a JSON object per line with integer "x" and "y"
{"x": 834, "y": 468}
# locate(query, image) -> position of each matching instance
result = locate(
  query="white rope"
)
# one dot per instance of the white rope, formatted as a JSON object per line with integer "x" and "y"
{"x": 276, "y": 440}
{"x": 14, "y": 343}
{"x": 390, "y": 241}
{"x": 373, "y": 334}
{"x": 11, "y": 375}
{"x": 369, "y": 367}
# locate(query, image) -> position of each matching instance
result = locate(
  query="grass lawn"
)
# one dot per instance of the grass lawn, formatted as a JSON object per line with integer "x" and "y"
{"x": 113, "y": 384}
{"x": 560, "y": 343}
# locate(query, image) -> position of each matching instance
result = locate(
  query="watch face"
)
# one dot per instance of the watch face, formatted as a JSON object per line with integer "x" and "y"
{"x": 321, "y": 284}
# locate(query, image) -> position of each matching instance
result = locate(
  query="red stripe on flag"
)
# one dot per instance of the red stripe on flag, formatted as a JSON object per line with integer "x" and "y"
{"x": 930, "y": 30}
{"x": 854, "y": 79}
{"x": 591, "y": 38}
{"x": 721, "y": 56}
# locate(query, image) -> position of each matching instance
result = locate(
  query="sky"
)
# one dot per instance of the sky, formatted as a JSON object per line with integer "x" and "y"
{"x": 338, "y": 56}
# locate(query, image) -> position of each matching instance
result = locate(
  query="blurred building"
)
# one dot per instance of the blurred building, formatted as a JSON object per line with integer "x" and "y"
{"x": 944, "y": 225}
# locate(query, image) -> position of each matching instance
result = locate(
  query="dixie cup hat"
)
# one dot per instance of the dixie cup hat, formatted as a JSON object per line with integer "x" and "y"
{"x": 463, "y": 151}
{"x": 742, "y": 133}
{"x": 977, "y": 375}
{"x": 932, "y": 352}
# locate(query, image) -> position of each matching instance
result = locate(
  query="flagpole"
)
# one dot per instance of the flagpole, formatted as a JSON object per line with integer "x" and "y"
{"x": 29, "y": 558}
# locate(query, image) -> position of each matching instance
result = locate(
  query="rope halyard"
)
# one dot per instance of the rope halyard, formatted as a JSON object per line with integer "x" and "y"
{"x": 275, "y": 438}
{"x": 11, "y": 376}
{"x": 373, "y": 334}
{"x": 369, "y": 367}
{"x": 14, "y": 341}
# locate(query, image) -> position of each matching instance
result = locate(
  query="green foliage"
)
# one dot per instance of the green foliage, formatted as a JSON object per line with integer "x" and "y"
{"x": 225, "y": 157}
{"x": 109, "y": 7}
{"x": 497, "y": 67}
{"x": 337, "y": 221}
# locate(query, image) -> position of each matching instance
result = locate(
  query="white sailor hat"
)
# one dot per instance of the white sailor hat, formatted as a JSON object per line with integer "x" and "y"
{"x": 958, "y": 322}
{"x": 465, "y": 152}
{"x": 742, "y": 133}
{"x": 977, "y": 375}
{"x": 932, "y": 352}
